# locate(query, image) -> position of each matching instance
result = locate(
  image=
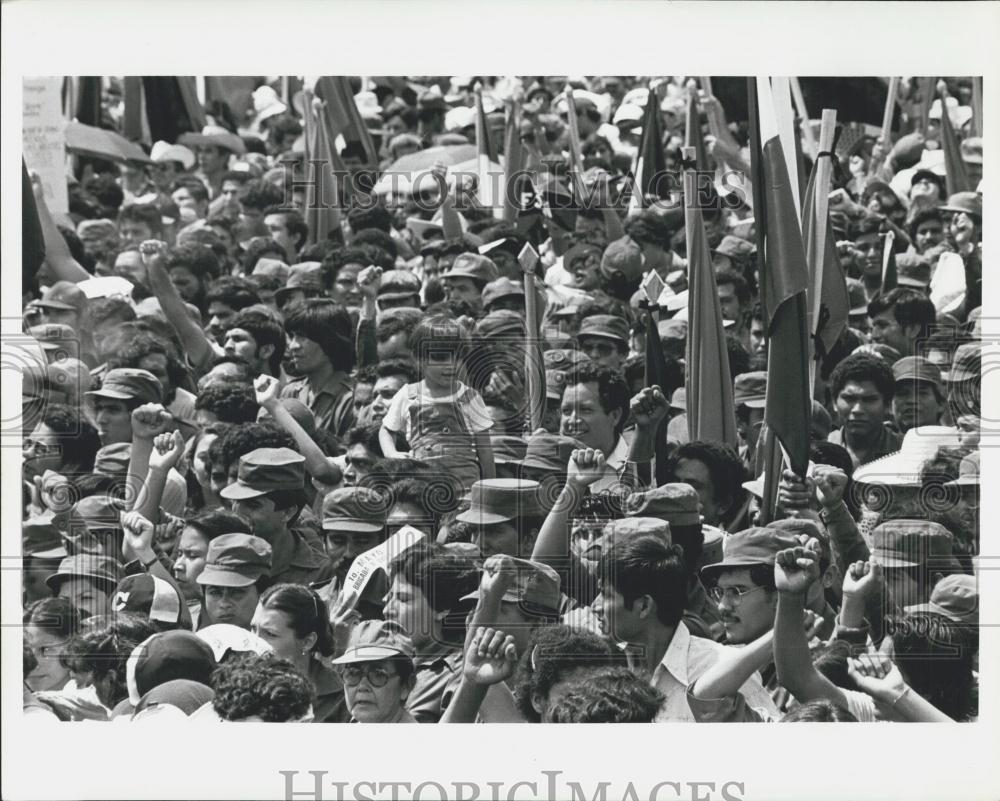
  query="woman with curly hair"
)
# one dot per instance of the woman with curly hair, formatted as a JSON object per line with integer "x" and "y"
{"x": 262, "y": 689}
{"x": 294, "y": 621}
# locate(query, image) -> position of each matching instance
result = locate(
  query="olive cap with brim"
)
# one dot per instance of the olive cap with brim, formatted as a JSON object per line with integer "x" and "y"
{"x": 236, "y": 560}
{"x": 267, "y": 470}
{"x": 354, "y": 509}
{"x": 129, "y": 383}
{"x": 909, "y": 543}
{"x": 374, "y": 640}
{"x": 955, "y": 597}
{"x": 675, "y": 503}
{"x": 534, "y": 583}
{"x": 752, "y": 546}
{"x": 85, "y": 565}
{"x": 550, "y": 452}
{"x": 500, "y": 500}
{"x": 750, "y": 389}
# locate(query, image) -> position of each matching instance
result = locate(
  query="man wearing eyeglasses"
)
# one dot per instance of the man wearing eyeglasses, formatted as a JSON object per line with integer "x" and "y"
{"x": 742, "y": 584}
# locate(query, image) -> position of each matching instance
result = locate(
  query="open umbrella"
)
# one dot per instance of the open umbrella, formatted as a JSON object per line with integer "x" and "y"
{"x": 86, "y": 140}
{"x": 414, "y": 171}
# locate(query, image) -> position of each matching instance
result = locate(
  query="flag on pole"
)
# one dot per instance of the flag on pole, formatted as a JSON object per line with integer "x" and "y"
{"x": 656, "y": 374}
{"x": 344, "y": 118}
{"x": 692, "y": 132}
{"x": 826, "y": 277}
{"x": 486, "y": 155}
{"x": 956, "y": 179}
{"x": 711, "y": 414}
{"x": 322, "y": 165}
{"x": 650, "y": 160}
{"x": 783, "y": 280}
{"x": 172, "y": 107}
{"x": 976, "y": 128}
{"x": 132, "y": 127}
{"x": 513, "y": 161}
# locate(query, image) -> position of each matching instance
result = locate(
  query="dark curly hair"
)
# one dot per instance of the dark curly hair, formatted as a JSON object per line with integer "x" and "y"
{"x": 245, "y": 437}
{"x": 611, "y": 388}
{"x": 78, "y": 439}
{"x": 104, "y": 648}
{"x": 613, "y": 695}
{"x": 229, "y": 401}
{"x": 725, "y": 467}
{"x": 144, "y": 344}
{"x": 263, "y": 686}
{"x": 553, "y": 653}
{"x": 864, "y": 367}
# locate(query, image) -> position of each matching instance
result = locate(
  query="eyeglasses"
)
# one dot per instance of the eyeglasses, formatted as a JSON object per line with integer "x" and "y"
{"x": 377, "y": 676}
{"x": 733, "y": 595}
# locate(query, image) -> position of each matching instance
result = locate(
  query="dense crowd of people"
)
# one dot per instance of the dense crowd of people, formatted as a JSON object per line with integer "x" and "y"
{"x": 234, "y": 422}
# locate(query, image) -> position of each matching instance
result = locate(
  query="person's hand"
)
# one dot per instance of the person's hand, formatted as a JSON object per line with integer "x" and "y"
{"x": 151, "y": 420}
{"x": 830, "y": 482}
{"x": 877, "y": 675}
{"x": 369, "y": 280}
{"x": 55, "y": 492}
{"x": 152, "y": 249}
{"x": 795, "y": 569}
{"x": 499, "y": 573}
{"x": 490, "y": 657}
{"x": 649, "y": 406}
{"x": 138, "y": 534}
{"x": 793, "y": 491}
{"x": 862, "y": 579}
{"x": 812, "y": 623}
{"x": 167, "y": 451}
{"x": 507, "y": 385}
{"x": 344, "y": 616}
{"x": 586, "y": 466}
{"x": 266, "y": 389}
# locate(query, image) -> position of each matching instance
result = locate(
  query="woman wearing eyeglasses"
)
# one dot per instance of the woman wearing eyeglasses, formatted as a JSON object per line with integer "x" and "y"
{"x": 377, "y": 670}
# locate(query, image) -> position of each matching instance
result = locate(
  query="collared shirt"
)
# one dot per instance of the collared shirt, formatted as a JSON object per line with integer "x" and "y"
{"x": 332, "y": 405}
{"x": 305, "y": 565}
{"x": 617, "y": 469}
{"x": 437, "y": 676}
{"x": 686, "y": 659}
{"x": 888, "y": 442}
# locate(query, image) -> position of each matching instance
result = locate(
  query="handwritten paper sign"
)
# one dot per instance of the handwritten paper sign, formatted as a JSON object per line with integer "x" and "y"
{"x": 44, "y": 139}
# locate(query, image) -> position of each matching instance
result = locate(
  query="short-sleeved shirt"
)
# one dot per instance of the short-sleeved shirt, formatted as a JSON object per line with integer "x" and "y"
{"x": 332, "y": 405}
{"x": 413, "y": 405}
{"x": 436, "y": 679}
{"x": 685, "y": 660}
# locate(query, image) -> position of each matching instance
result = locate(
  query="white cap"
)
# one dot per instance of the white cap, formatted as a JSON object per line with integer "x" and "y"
{"x": 164, "y": 151}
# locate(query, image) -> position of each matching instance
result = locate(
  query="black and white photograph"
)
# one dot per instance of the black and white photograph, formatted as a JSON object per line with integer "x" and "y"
{"x": 497, "y": 398}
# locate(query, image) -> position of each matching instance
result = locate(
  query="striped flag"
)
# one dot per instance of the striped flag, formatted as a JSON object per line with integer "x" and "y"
{"x": 650, "y": 160}
{"x": 323, "y": 165}
{"x": 956, "y": 179}
{"x": 784, "y": 277}
{"x": 711, "y": 414}
{"x": 343, "y": 116}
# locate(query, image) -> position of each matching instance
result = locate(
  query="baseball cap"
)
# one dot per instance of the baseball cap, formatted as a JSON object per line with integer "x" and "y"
{"x": 354, "y": 509}
{"x": 474, "y": 266}
{"x": 534, "y": 583}
{"x": 63, "y": 295}
{"x": 956, "y": 597}
{"x": 153, "y": 598}
{"x": 604, "y": 326}
{"x": 563, "y": 358}
{"x": 500, "y": 500}
{"x": 508, "y": 449}
{"x": 750, "y": 389}
{"x": 966, "y": 364}
{"x": 168, "y": 656}
{"x": 129, "y": 383}
{"x": 675, "y": 503}
{"x": 912, "y": 270}
{"x": 752, "y": 546}
{"x": 916, "y": 368}
{"x": 623, "y": 256}
{"x": 112, "y": 460}
{"x": 373, "y": 640}
{"x": 635, "y": 527}
{"x": 500, "y": 288}
{"x": 236, "y": 560}
{"x": 55, "y": 336}
{"x": 266, "y": 470}
{"x": 86, "y": 565}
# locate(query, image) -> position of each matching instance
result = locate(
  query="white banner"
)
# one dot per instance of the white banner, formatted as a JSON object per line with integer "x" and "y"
{"x": 378, "y": 558}
{"x": 44, "y": 138}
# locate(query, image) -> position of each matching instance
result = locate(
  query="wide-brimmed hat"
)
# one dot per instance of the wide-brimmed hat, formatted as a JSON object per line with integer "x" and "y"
{"x": 214, "y": 136}
{"x": 902, "y": 468}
